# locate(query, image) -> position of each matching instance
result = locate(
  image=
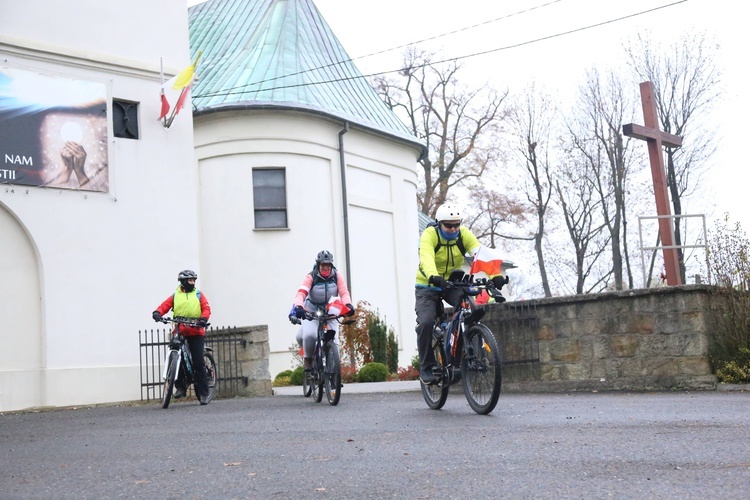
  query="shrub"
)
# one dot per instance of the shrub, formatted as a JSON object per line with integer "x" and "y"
{"x": 355, "y": 342}
{"x": 282, "y": 379}
{"x": 296, "y": 356}
{"x": 378, "y": 332}
{"x": 736, "y": 371}
{"x": 415, "y": 362}
{"x": 368, "y": 339}
{"x": 348, "y": 373}
{"x": 392, "y": 354}
{"x": 373, "y": 372}
{"x": 728, "y": 261}
{"x": 297, "y": 375}
{"x": 408, "y": 373}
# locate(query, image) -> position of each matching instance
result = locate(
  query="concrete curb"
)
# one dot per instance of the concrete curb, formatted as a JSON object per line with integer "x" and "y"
{"x": 358, "y": 388}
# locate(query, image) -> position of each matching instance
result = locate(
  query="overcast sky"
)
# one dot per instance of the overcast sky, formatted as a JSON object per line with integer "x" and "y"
{"x": 559, "y": 62}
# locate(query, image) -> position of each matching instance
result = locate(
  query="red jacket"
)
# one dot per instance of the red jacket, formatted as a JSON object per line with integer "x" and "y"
{"x": 188, "y": 331}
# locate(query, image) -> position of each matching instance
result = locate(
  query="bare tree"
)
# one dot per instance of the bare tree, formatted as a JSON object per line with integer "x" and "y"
{"x": 453, "y": 122}
{"x": 530, "y": 124}
{"x": 597, "y": 137}
{"x": 687, "y": 83}
{"x": 580, "y": 206}
{"x": 495, "y": 211}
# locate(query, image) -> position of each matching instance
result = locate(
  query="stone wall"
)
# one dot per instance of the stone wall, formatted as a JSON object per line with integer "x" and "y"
{"x": 252, "y": 359}
{"x": 651, "y": 339}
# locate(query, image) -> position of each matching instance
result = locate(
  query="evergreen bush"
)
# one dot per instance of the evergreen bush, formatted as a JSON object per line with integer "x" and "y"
{"x": 392, "y": 352}
{"x": 373, "y": 372}
{"x": 378, "y": 332}
{"x": 282, "y": 379}
{"x": 297, "y": 376}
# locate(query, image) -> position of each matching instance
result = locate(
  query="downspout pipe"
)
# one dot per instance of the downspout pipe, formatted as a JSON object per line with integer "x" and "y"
{"x": 345, "y": 201}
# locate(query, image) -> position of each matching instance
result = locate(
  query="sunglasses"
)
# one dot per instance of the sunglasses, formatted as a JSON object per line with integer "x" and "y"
{"x": 449, "y": 225}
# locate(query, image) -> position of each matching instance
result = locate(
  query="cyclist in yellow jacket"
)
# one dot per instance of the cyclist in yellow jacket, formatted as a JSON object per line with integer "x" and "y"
{"x": 190, "y": 303}
{"x": 442, "y": 249}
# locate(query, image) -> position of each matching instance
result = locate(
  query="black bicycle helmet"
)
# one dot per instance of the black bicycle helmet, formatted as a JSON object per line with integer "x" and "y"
{"x": 324, "y": 257}
{"x": 186, "y": 275}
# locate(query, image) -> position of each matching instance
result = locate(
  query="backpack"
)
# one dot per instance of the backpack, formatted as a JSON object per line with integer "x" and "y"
{"x": 459, "y": 240}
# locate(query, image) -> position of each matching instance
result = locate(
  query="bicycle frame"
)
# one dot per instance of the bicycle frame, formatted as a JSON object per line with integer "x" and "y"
{"x": 178, "y": 344}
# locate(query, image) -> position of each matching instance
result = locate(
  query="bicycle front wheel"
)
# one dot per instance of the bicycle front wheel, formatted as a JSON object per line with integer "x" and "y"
{"x": 173, "y": 361}
{"x": 436, "y": 395}
{"x": 332, "y": 374}
{"x": 306, "y": 384}
{"x": 316, "y": 376}
{"x": 211, "y": 375}
{"x": 481, "y": 369}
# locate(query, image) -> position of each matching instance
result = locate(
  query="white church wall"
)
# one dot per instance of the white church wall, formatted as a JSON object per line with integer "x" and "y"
{"x": 254, "y": 278}
{"x": 21, "y": 333}
{"x": 104, "y": 261}
{"x": 116, "y": 32}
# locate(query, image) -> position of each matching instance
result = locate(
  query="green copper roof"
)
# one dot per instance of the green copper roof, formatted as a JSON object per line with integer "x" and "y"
{"x": 280, "y": 53}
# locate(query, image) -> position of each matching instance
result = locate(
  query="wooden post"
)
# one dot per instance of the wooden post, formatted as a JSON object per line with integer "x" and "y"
{"x": 655, "y": 138}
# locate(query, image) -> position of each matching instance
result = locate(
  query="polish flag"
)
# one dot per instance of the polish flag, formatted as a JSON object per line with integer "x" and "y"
{"x": 175, "y": 90}
{"x": 336, "y": 307}
{"x": 487, "y": 261}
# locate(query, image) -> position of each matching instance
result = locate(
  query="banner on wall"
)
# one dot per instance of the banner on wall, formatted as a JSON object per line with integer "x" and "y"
{"x": 53, "y": 131}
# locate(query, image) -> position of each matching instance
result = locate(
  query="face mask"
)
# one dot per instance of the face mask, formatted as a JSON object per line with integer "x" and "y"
{"x": 325, "y": 272}
{"x": 188, "y": 287}
{"x": 448, "y": 236}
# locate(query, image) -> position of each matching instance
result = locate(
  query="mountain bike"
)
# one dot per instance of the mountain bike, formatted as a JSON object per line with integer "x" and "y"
{"x": 325, "y": 374}
{"x": 465, "y": 349}
{"x": 179, "y": 362}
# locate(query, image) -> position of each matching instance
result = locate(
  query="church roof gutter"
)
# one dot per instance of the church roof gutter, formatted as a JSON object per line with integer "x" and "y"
{"x": 296, "y": 107}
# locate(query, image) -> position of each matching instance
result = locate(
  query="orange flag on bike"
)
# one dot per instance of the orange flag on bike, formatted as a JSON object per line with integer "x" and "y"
{"x": 487, "y": 261}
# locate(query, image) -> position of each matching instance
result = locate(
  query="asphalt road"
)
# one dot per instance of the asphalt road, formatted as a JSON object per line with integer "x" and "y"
{"x": 376, "y": 445}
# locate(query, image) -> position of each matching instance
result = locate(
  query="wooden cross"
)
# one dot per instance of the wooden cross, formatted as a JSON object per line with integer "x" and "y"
{"x": 655, "y": 138}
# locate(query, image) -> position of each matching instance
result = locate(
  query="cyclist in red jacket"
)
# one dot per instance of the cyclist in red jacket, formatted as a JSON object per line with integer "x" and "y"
{"x": 190, "y": 303}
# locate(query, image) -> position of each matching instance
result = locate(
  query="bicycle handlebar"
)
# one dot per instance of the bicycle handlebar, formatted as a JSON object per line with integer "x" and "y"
{"x": 311, "y": 316}
{"x": 478, "y": 285}
{"x": 183, "y": 321}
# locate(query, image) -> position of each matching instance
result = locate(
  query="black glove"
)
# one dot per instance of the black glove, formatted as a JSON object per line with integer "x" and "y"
{"x": 156, "y": 315}
{"x": 299, "y": 311}
{"x": 437, "y": 281}
{"x": 351, "y": 310}
{"x": 500, "y": 281}
{"x": 203, "y": 322}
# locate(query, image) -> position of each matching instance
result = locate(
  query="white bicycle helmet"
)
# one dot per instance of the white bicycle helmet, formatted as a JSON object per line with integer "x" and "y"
{"x": 448, "y": 212}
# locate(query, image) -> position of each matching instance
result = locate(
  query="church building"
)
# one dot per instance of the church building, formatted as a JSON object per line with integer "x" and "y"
{"x": 283, "y": 151}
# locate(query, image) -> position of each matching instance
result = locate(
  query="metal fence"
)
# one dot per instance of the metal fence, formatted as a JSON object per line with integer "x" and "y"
{"x": 225, "y": 342}
{"x": 519, "y": 342}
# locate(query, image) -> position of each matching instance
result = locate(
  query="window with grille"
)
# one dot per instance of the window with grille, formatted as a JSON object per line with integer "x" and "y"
{"x": 125, "y": 119}
{"x": 269, "y": 196}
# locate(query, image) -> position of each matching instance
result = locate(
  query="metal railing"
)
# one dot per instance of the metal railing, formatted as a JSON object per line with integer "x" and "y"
{"x": 225, "y": 343}
{"x": 519, "y": 343}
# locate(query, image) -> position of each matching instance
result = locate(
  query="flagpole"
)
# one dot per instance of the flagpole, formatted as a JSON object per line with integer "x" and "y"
{"x": 161, "y": 71}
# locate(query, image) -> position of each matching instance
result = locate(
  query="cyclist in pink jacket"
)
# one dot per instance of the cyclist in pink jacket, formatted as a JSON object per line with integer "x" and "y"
{"x": 318, "y": 286}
